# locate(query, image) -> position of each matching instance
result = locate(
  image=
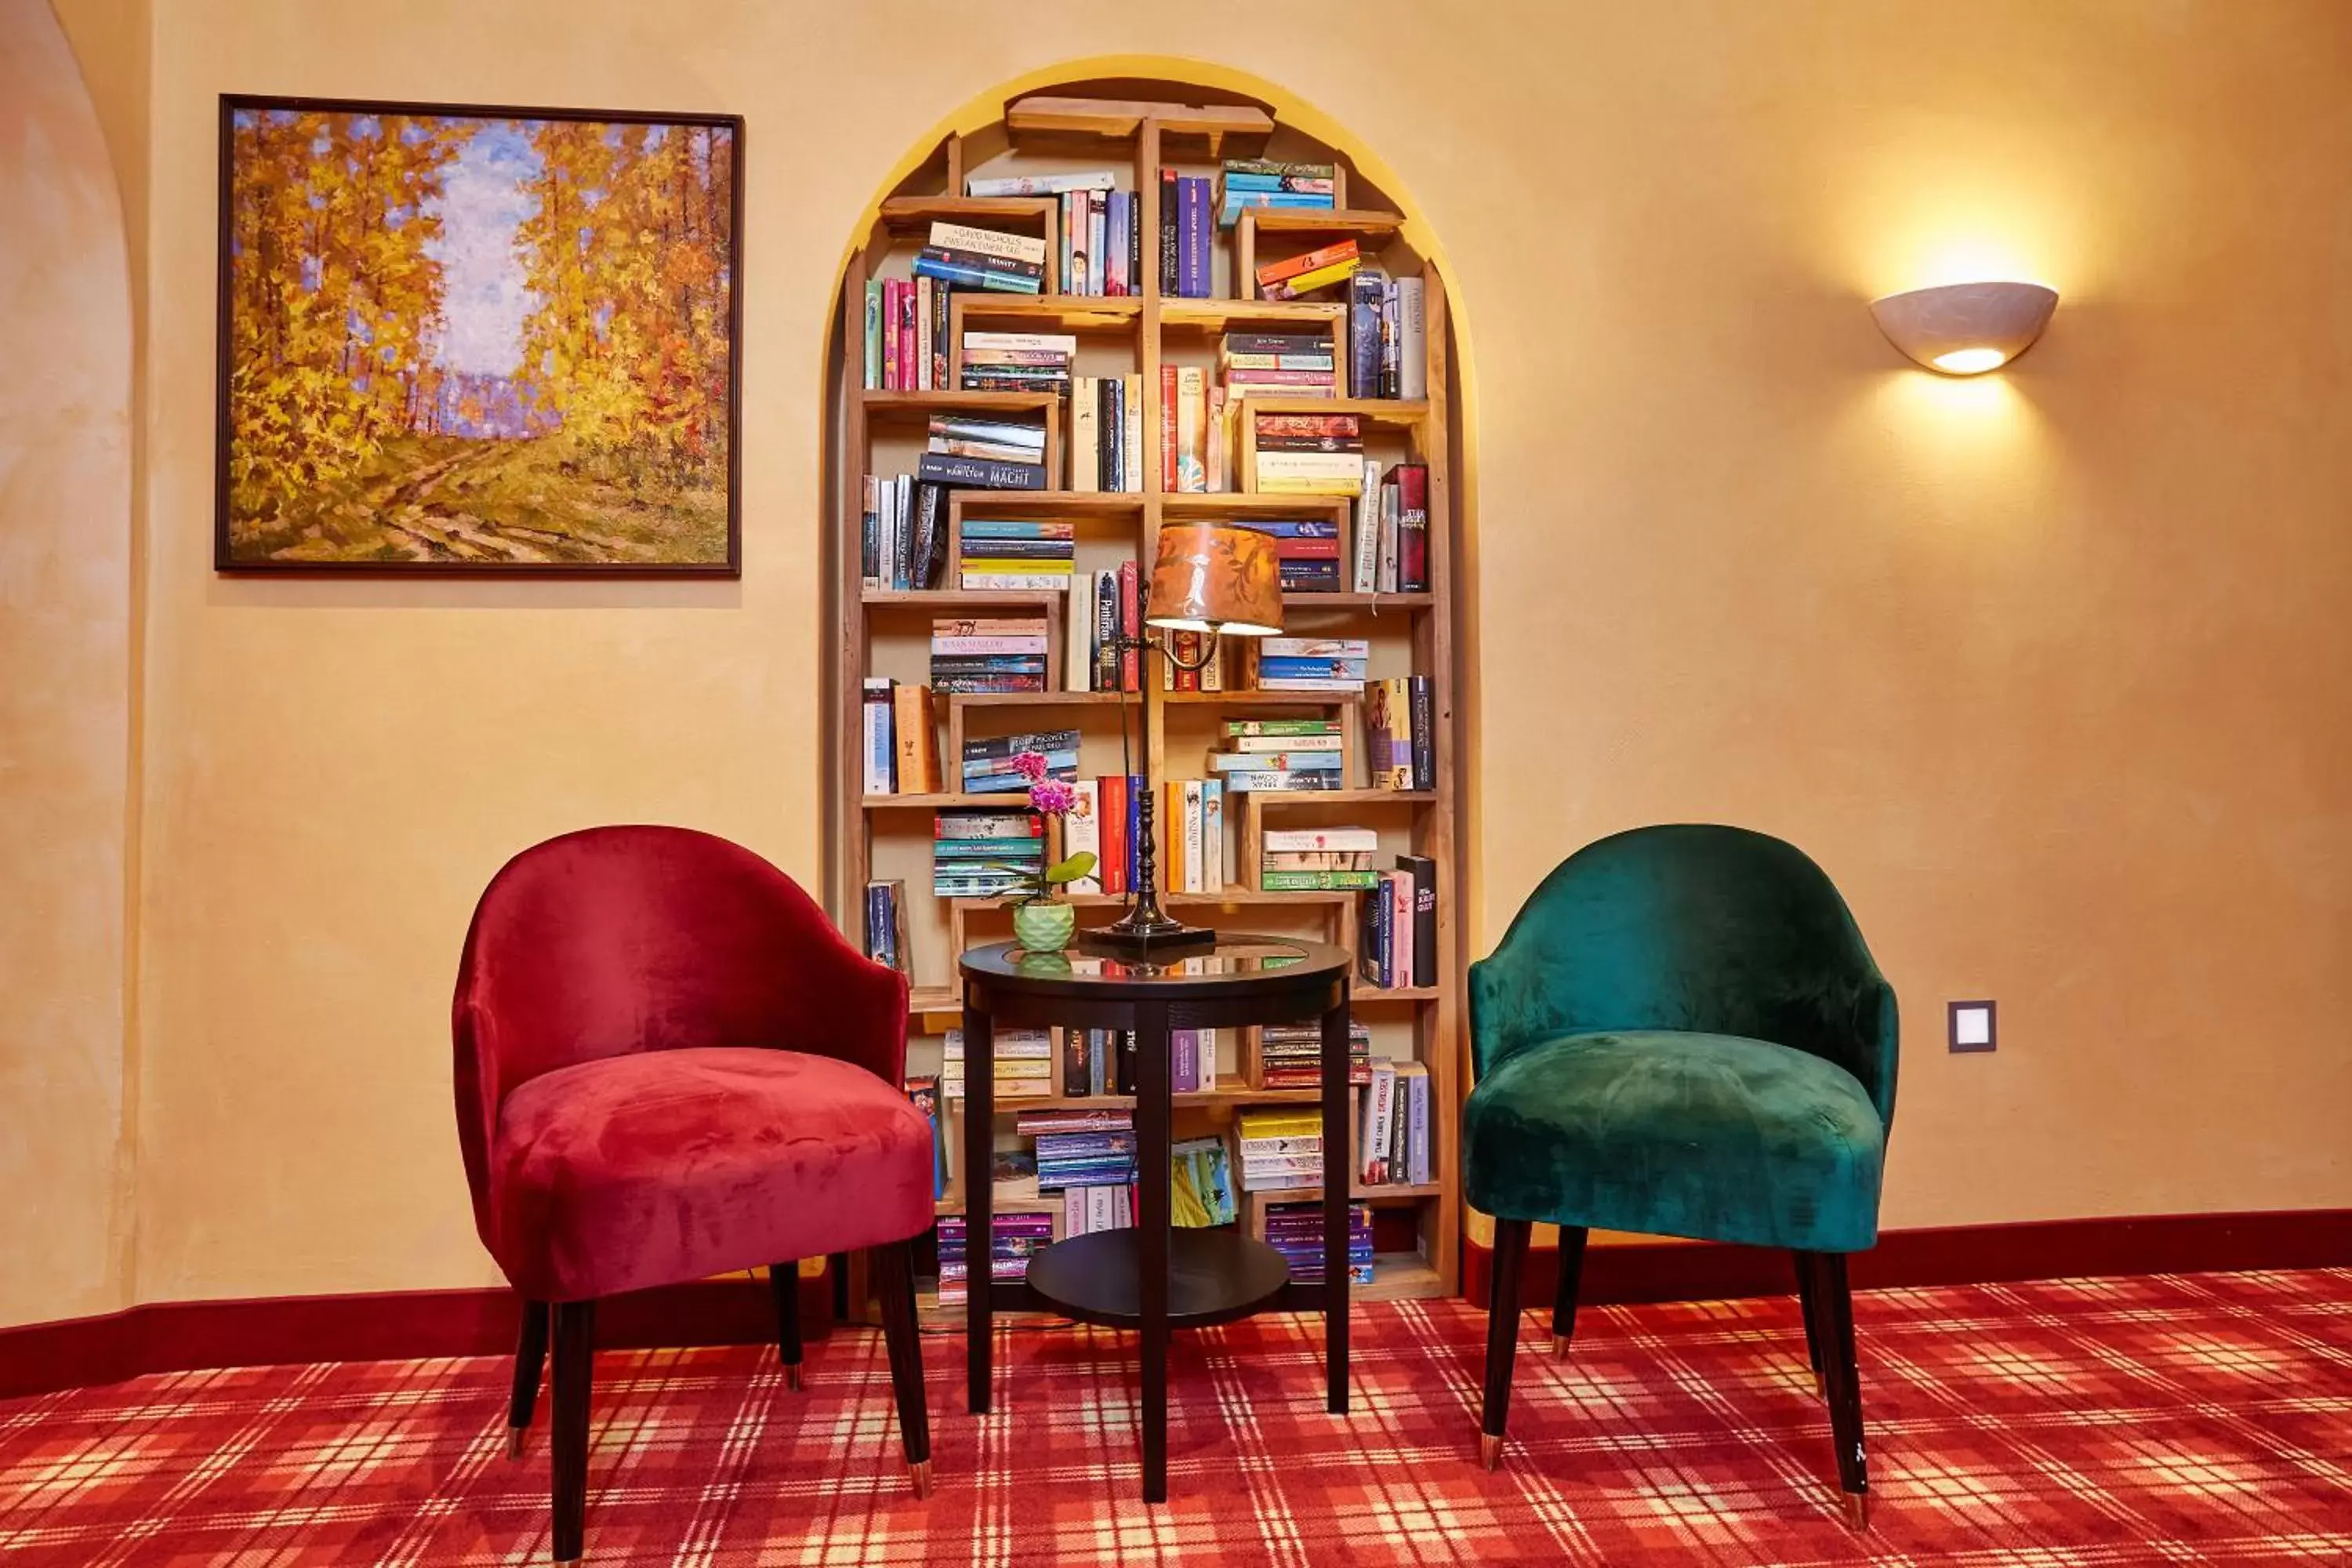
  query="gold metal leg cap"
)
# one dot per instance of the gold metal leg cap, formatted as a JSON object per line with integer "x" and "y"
{"x": 919, "y": 1472}
{"x": 1857, "y": 1511}
{"x": 1490, "y": 1450}
{"x": 514, "y": 1441}
{"x": 1820, "y": 1388}
{"x": 793, "y": 1379}
{"x": 1560, "y": 1344}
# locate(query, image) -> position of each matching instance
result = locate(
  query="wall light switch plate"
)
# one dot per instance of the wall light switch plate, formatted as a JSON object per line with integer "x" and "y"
{"x": 1972, "y": 1027}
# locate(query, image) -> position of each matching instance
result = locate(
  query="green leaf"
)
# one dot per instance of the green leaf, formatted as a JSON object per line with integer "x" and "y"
{"x": 1071, "y": 869}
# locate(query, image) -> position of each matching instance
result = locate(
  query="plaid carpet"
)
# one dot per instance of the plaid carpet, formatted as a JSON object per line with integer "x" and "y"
{"x": 2188, "y": 1419}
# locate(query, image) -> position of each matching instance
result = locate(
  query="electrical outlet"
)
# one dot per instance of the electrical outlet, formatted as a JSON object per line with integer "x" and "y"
{"x": 1972, "y": 1026}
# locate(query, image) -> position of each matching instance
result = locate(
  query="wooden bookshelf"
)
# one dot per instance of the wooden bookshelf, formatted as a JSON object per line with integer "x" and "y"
{"x": 884, "y": 632}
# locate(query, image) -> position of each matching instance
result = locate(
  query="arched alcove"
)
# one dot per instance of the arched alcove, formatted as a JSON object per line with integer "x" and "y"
{"x": 1166, "y": 341}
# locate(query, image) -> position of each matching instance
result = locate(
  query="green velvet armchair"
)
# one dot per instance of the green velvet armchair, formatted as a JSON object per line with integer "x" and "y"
{"x": 1683, "y": 1034}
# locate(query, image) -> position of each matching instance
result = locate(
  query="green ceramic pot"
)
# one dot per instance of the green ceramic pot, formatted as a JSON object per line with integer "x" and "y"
{"x": 1045, "y": 925}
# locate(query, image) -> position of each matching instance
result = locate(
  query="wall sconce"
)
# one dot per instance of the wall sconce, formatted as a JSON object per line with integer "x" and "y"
{"x": 1966, "y": 328}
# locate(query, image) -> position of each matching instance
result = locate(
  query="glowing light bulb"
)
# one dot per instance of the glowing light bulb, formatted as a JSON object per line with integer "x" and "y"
{"x": 1971, "y": 362}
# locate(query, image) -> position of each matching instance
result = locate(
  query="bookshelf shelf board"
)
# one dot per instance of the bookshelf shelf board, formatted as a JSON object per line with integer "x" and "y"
{"x": 880, "y": 404}
{"x": 1125, "y": 116}
{"x": 1066, "y": 312}
{"x": 1399, "y": 1276}
{"x": 1268, "y": 897}
{"x": 1224, "y": 315}
{"x": 1309, "y": 220}
{"x": 1052, "y": 503}
{"x": 1250, "y": 503}
{"x": 961, "y": 598}
{"x": 924, "y": 1000}
{"x": 1388, "y": 413}
{"x": 1367, "y": 996}
{"x": 1036, "y": 699}
{"x": 1306, "y": 604}
{"x": 1388, "y": 1195}
{"x": 903, "y": 213}
{"x": 1344, "y": 797}
{"x": 1253, "y": 699}
{"x": 932, "y": 801}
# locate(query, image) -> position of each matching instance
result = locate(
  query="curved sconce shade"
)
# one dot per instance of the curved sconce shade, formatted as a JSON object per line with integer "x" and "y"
{"x": 1966, "y": 328}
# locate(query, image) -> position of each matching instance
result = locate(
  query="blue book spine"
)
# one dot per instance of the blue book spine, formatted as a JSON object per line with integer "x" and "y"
{"x": 973, "y": 277}
{"x": 1364, "y": 335}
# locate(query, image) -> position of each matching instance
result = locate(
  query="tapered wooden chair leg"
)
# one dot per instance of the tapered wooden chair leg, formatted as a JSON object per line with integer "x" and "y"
{"x": 1502, "y": 1336}
{"x": 531, "y": 1365}
{"x": 1835, "y": 1314}
{"x": 575, "y": 1354}
{"x": 1571, "y": 1278}
{"x": 895, "y": 1282}
{"x": 1808, "y": 1308}
{"x": 784, "y": 1284}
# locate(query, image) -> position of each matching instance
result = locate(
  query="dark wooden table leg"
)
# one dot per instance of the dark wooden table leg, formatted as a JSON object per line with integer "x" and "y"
{"x": 1151, "y": 1222}
{"x": 979, "y": 1198}
{"x": 1337, "y": 1180}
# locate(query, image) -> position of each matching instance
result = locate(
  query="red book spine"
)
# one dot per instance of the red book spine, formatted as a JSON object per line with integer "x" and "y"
{"x": 1412, "y": 527}
{"x": 1113, "y": 803}
{"x": 890, "y": 372}
{"x": 1130, "y": 624}
{"x": 1189, "y": 644}
{"x": 1168, "y": 428}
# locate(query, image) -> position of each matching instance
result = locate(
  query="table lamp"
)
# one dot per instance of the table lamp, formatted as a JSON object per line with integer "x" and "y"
{"x": 1220, "y": 580}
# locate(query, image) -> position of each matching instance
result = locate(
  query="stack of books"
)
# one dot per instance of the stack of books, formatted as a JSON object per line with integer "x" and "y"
{"x": 1308, "y": 548}
{"x": 1091, "y": 1157}
{"x": 897, "y": 751}
{"x": 1281, "y": 1149}
{"x": 1105, "y": 606}
{"x": 1277, "y": 364}
{"x": 963, "y": 257}
{"x": 1392, "y": 531}
{"x": 1297, "y": 277}
{"x": 1102, "y": 242}
{"x": 1309, "y": 765}
{"x": 1025, "y": 1064}
{"x": 1392, "y": 1129}
{"x": 969, "y": 453}
{"x": 1272, "y": 183}
{"x": 1193, "y": 815}
{"x": 1307, "y": 454}
{"x": 1011, "y": 553}
{"x": 1400, "y": 739}
{"x": 1106, "y": 433}
{"x": 903, "y": 538}
{"x": 1318, "y": 859}
{"x": 1105, "y": 820}
{"x": 988, "y": 653}
{"x": 1295, "y": 1230}
{"x": 906, "y": 334}
{"x": 988, "y": 764}
{"x": 1311, "y": 664}
{"x": 1201, "y": 1185}
{"x": 1388, "y": 346}
{"x": 977, "y": 853}
{"x": 1397, "y": 932}
{"x": 1290, "y": 1056}
{"x": 1187, "y": 234}
{"x": 886, "y": 925}
{"x": 1016, "y": 362}
{"x": 1038, "y": 185}
{"x": 1013, "y": 1237}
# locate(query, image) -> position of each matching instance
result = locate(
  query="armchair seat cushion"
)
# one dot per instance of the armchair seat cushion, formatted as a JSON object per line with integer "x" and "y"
{"x": 661, "y": 1167}
{"x": 1665, "y": 1133}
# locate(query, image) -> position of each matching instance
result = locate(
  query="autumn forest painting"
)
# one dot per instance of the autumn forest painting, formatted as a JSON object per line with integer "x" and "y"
{"x": 468, "y": 340}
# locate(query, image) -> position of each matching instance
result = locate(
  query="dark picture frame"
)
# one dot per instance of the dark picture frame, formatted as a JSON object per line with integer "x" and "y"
{"x": 287, "y": 503}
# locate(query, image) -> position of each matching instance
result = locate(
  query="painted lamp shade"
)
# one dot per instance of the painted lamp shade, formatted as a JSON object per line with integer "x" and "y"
{"x": 1966, "y": 328}
{"x": 1211, "y": 577}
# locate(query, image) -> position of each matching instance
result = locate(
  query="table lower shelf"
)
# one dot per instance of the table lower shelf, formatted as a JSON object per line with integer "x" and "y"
{"x": 1214, "y": 1276}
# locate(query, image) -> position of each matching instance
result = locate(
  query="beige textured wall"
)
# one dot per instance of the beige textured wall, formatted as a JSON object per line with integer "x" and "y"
{"x": 2049, "y": 670}
{"x": 64, "y": 687}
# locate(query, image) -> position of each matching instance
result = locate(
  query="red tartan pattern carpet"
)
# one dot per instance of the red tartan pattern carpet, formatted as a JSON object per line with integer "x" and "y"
{"x": 2180, "y": 1420}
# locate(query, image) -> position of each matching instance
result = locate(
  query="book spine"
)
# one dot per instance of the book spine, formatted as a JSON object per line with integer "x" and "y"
{"x": 979, "y": 473}
{"x": 1114, "y": 429}
{"x": 1422, "y": 699}
{"x": 1115, "y": 243}
{"x": 1105, "y": 640}
{"x": 1136, "y": 785}
{"x": 1216, "y": 874}
{"x": 1316, "y": 881}
{"x": 1078, "y": 277}
{"x": 1195, "y": 879}
{"x": 1364, "y": 335}
{"x": 1038, "y": 185}
{"x": 1398, "y": 885}
{"x": 1097, "y": 251}
{"x": 937, "y": 362}
{"x": 987, "y": 242}
{"x": 1170, "y": 218}
{"x": 1412, "y": 527}
{"x": 1313, "y": 261}
{"x": 1078, "y": 634}
{"x": 1130, "y": 625}
{"x": 1385, "y": 572}
{"x": 1134, "y": 431}
{"x": 1391, "y": 357}
{"x": 871, "y": 377}
{"x": 1169, "y": 438}
{"x": 1413, "y": 338}
{"x": 1135, "y": 242}
{"x": 1113, "y": 828}
{"x": 1191, "y": 399}
{"x": 877, "y": 746}
{"x": 1188, "y": 266}
{"x": 1082, "y": 831}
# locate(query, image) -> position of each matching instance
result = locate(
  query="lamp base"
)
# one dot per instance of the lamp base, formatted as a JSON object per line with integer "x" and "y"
{"x": 1147, "y": 933}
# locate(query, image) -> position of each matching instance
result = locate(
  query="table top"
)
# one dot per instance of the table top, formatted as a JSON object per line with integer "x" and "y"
{"x": 1238, "y": 966}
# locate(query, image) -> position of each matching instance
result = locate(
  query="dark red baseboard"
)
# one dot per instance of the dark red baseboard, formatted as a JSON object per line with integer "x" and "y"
{"x": 182, "y": 1336}
{"x": 1950, "y": 1255}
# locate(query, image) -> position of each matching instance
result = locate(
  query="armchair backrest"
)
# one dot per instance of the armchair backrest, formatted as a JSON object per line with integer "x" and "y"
{"x": 1695, "y": 927}
{"x": 619, "y": 939}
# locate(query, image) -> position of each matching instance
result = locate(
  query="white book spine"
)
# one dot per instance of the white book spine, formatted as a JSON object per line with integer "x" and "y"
{"x": 1209, "y": 1045}
{"x": 1085, "y": 452}
{"x": 1192, "y": 460}
{"x": 1193, "y": 882}
{"x": 1368, "y": 531}
{"x": 1098, "y": 221}
{"x": 925, "y": 289}
{"x": 1216, "y": 874}
{"x": 1122, "y": 1209}
{"x": 878, "y": 743}
{"x": 1039, "y": 185}
{"x": 1385, "y": 580}
{"x": 989, "y": 242}
{"x": 1417, "y": 1141}
{"x": 1082, "y": 829}
{"x": 1412, "y": 340}
{"x": 1380, "y": 1114}
{"x": 1078, "y": 634}
{"x": 1134, "y": 464}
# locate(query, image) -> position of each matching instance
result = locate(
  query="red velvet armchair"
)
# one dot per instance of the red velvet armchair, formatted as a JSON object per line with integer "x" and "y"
{"x": 670, "y": 1066}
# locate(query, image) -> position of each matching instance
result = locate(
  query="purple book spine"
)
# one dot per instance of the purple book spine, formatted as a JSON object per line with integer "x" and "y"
{"x": 1188, "y": 226}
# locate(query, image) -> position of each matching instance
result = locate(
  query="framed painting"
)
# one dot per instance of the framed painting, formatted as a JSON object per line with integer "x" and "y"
{"x": 464, "y": 340}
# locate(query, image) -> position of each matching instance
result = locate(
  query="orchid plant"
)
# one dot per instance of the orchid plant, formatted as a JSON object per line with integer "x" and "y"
{"x": 1048, "y": 797}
